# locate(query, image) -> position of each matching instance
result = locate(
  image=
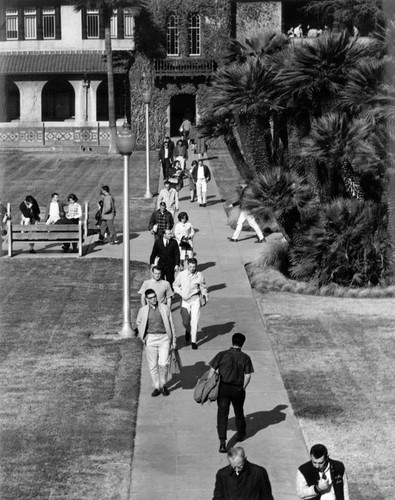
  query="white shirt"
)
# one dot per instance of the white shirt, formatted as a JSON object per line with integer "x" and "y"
{"x": 305, "y": 492}
{"x": 166, "y": 151}
{"x": 200, "y": 173}
{"x": 54, "y": 211}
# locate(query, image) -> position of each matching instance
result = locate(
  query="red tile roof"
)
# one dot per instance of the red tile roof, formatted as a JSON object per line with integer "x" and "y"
{"x": 33, "y": 63}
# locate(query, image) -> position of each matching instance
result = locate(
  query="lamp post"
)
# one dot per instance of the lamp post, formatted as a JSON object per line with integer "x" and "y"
{"x": 126, "y": 141}
{"x": 147, "y": 98}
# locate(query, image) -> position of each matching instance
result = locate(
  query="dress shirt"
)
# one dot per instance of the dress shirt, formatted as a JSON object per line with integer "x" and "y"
{"x": 188, "y": 285}
{"x": 200, "y": 173}
{"x": 166, "y": 150}
{"x": 306, "y": 492}
{"x": 54, "y": 211}
{"x": 232, "y": 365}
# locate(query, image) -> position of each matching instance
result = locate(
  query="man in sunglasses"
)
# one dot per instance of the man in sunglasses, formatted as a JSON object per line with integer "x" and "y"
{"x": 321, "y": 477}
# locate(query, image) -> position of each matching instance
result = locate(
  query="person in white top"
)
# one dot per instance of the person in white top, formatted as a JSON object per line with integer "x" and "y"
{"x": 170, "y": 196}
{"x": 322, "y": 477}
{"x": 298, "y": 31}
{"x": 54, "y": 210}
{"x": 191, "y": 286}
{"x": 184, "y": 233}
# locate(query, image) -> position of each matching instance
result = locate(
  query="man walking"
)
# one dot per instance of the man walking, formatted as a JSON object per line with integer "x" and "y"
{"x": 201, "y": 176}
{"x": 191, "y": 286}
{"x": 156, "y": 330}
{"x": 241, "y": 479}
{"x": 234, "y": 368}
{"x": 160, "y": 220}
{"x": 245, "y": 216}
{"x": 165, "y": 156}
{"x": 161, "y": 287}
{"x": 108, "y": 213}
{"x": 321, "y": 477}
{"x": 166, "y": 254}
{"x": 169, "y": 195}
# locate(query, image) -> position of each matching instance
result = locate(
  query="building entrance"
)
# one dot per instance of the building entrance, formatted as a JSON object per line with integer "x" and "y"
{"x": 181, "y": 106}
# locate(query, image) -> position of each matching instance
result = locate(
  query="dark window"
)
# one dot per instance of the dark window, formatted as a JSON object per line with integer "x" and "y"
{"x": 173, "y": 48}
{"x": 58, "y": 101}
{"x": 194, "y": 34}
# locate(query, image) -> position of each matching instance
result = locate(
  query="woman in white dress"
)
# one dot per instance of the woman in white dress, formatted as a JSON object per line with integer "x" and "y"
{"x": 184, "y": 233}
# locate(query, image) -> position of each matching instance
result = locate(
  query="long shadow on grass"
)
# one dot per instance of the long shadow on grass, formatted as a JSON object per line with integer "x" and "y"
{"x": 258, "y": 421}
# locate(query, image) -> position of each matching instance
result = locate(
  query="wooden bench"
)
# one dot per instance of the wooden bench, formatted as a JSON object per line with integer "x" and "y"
{"x": 61, "y": 233}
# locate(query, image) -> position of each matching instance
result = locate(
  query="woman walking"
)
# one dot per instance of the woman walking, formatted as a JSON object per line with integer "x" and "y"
{"x": 184, "y": 233}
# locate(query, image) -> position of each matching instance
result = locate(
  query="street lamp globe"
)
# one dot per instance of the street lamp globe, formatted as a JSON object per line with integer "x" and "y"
{"x": 126, "y": 140}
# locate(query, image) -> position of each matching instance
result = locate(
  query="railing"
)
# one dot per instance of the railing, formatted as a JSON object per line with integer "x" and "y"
{"x": 184, "y": 67}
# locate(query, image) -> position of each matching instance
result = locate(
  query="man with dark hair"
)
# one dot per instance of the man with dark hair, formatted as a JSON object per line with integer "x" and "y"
{"x": 241, "y": 479}
{"x": 169, "y": 195}
{"x": 234, "y": 368}
{"x": 156, "y": 330}
{"x": 321, "y": 477}
{"x": 160, "y": 220}
{"x": 166, "y": 254}
{"x": 191, "y": 287}
{"x": 108, "y": 213}
{"x": 165, "y": 156}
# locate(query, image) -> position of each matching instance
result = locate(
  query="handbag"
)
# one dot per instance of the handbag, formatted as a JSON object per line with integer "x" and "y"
{"x": 175, "y": 362}
{"x": 185, "y": 245}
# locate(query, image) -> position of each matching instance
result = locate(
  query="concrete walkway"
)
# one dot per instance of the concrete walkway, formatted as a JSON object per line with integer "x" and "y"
{"x": 176, "y": 447}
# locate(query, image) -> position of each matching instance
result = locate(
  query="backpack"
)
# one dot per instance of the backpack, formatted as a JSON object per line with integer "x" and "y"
{"x": 206, "y": 388}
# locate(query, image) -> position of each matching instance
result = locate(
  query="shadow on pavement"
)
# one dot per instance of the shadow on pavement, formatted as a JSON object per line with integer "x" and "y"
{"x": 188, "y": 377}
{"x": 213, "y": 288}
{"x": 206, "y": 265}
{"x": 258, "y": 421}
{"x": 210, "y": 332}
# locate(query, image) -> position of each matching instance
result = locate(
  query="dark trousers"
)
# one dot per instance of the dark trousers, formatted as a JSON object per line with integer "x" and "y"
{"x": 235, "y": 395}
{"x": 168, "y": 274}
{"x": 166, "y": 165}
{"x": 66, "y": 246}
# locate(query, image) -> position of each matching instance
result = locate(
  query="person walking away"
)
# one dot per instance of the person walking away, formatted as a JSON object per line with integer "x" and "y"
{"x": 30, "y": 214}
{"x": 170, "y": 196}
{"x": 184, "y": 233}
{"x": 156, "y": 330}
{"x": 201, "y": 175}
{"x": 160, "y": 220}
{"x": 322, "y": 477}
{"x": 166, "y": 255}
{"x": 54, "y": 210}
{"x": 108, "y": 214}
{"x": 241, "y": 479}
{"x": 181, "y": 153}
{"x": 190, "y": 285}
{"x": 234, "y": 368}
{"x": 161, "y": 287}
{"x": 73, "y": 215}
{"x": 245, "y": 216}
{"x": 165, "y": 156}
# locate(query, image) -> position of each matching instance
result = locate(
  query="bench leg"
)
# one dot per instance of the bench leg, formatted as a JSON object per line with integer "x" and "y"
{"x": 9, "y": 234}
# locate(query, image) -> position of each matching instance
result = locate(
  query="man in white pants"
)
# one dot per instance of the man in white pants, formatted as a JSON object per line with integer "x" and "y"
{"x": 201, "y": 175}
{"x": 156, "y": 330}
{"x": 191, "y": 285}
{"x": 245, "y": 216}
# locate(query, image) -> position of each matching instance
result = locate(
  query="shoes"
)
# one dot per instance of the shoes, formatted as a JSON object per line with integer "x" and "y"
{"x": 165, "y": 391}
{"x": 232, "y": 239}
{"x": 155, "y": 393}
{"x": 241, "y": 437}
{"x": 204, "y": 205}
{"x": 222, "y": 448}
{"x": 187, "y": 336}
{"x": 200, "y": 204}
{"x": 115, "y": 242}
{"x": 260, "y": 241}
{"x": 32, "y": 250}
{"x": 194, "y": 346}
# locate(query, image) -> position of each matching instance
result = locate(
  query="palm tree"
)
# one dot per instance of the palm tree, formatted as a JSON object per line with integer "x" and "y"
{"x": 106, "y": 9}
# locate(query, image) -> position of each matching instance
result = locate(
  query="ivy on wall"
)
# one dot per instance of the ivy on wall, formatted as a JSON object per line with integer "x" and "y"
{"x": 255, "y": 17}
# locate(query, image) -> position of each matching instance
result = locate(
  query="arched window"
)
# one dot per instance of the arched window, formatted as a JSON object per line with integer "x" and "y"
{"x": 194, "y": 34}
{"x": 9, "y": 101}
{"x": 102, "y": 99}
{"x": 58, "y": 101}
{"x": 173, "y": 45}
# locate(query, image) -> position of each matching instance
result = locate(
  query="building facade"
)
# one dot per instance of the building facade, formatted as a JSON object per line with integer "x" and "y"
{"x": 53, "y": 88}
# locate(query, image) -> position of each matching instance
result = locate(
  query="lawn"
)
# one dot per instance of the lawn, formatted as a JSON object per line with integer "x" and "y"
{"x": 40, "y": 174}
{"x": 68, "y": 402}
{"x": 336, "y": 360}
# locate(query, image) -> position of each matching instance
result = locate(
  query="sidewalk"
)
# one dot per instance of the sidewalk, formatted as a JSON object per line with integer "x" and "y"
{"x": 176, "y": 447}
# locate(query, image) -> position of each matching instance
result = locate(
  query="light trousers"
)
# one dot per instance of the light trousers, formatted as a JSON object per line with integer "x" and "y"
{"x": 190, "y": 313}
{"x": 201, "y": 191}
{"x": 157, "y": 351}
{"x": 244, "y": 216}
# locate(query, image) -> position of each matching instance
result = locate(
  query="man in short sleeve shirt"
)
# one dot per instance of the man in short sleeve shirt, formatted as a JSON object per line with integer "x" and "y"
{"x": 161, "y": 287}
{"x": 234, "y": 368}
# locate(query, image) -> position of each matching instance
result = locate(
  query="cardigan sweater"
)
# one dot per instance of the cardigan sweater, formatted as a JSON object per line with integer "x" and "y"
{"x": 312, "y": 476}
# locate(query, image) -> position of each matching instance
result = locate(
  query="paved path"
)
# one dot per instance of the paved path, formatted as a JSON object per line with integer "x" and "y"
{"x": 176, "y": 447}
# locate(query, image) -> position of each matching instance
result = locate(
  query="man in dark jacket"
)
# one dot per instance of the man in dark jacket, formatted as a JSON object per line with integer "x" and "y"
{"x": 160, "y": 220}
{"x": 166, "y": 155}
{"x": 201, "y": 175}
{"x": 321, "y": 477}
{"x": 242, "y": 480}
{"x": 167, "y": 254}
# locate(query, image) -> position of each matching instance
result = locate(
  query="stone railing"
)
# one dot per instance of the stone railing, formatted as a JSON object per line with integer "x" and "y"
{"x": 183, "y": 67}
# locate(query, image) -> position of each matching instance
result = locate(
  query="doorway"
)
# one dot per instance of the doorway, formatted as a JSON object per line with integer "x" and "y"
{"x": 181, "y": 106}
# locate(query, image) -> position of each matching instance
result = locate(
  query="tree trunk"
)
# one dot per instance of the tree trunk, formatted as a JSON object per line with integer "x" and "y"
{"x": 246, "y": 173}
{"x": 255, "y": 137}
{"x": 110, "y": 85}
